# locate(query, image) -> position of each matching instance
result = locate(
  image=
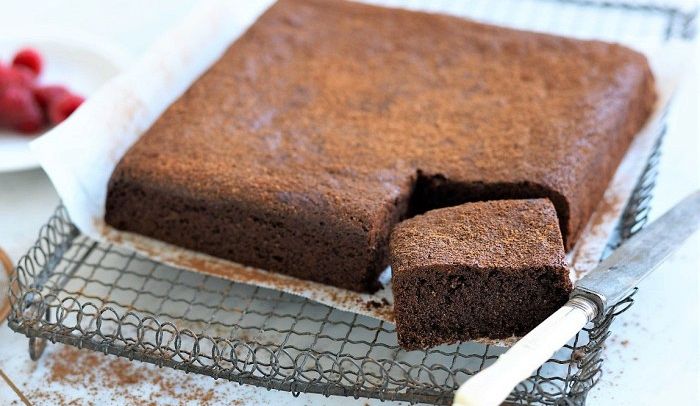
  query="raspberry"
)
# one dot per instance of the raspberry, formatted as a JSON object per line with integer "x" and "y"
{"x": 19, "y": 111}
{"x": 15, "y": 75}
{"x": 45, "y": 95}
{"x": 29, "y": 58}
{"x": 61, "y": 108}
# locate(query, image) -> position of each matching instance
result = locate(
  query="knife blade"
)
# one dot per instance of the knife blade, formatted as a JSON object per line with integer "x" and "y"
{"x": 604, "y": 287}
{"x": 614, "y": 278}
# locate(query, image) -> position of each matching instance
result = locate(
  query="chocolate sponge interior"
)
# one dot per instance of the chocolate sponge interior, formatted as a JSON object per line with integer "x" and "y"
{"x": 444, "y": 304}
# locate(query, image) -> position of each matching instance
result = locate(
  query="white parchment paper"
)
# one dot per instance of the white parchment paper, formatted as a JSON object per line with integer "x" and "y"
{"x": 80, "y": 154}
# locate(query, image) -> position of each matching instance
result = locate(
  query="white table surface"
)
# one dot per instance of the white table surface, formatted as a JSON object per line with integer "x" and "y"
{"x": 651, "y": 358}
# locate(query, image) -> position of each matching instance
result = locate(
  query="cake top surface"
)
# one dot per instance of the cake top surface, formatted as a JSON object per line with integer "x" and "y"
{"x": 503, "y": 234}
{"x": 337, "y": 105}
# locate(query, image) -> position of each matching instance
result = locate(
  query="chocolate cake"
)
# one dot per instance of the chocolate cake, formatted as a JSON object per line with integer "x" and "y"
{"x": 486, "y": 269}
{"x": 328, "y": 122}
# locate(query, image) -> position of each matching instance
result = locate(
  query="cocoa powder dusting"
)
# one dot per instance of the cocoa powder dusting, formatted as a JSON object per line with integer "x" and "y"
{"x": 71, "y": 365}
{"x": 95, "y": 371}
{"x": 381, "y": 309}
{"x": 376, "y": 304}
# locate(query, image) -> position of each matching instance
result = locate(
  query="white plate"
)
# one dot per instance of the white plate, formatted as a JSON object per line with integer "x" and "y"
{"x": 71, "y": 59}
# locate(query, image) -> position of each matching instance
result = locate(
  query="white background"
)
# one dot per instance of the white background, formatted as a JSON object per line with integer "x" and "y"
{"x": 652, "y": 356}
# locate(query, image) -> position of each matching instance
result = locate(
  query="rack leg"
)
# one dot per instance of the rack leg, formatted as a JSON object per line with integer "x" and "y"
{"x": 36, "y": 347}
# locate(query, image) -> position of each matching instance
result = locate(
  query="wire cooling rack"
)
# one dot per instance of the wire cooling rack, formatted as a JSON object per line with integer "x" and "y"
{"x": 71, "y": 289}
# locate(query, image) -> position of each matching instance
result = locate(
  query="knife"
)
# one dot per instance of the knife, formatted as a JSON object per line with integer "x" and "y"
{"x": 611, "y": 281}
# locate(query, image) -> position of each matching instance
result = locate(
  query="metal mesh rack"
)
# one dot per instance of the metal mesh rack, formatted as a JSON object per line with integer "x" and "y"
{"x": 71, "y": 289}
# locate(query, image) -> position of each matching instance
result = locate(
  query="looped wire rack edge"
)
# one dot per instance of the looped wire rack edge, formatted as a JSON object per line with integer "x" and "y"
{"x": 74, "y": 290}
{"x": 71, "y": 289}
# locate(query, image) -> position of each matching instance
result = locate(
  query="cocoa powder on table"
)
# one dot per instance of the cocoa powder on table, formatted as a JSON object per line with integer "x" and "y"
{"x": 95, "y": 371}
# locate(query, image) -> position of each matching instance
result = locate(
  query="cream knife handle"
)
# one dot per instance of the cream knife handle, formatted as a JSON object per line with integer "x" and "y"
{"x": 491, "y": 386}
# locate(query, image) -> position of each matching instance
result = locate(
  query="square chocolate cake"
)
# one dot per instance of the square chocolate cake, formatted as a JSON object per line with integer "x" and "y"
{"x": 329, "y": 121}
